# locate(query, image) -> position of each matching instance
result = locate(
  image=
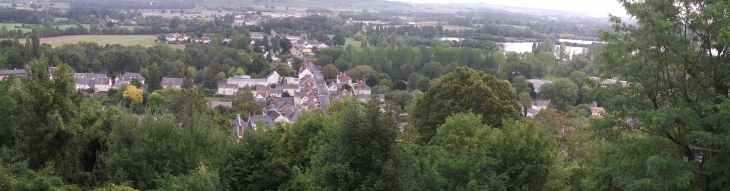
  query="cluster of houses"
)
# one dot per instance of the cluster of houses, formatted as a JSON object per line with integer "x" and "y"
{"x": 306, "y": 46}
{"x": 303, "y": 96}
{"x": 182, "y": 38}
{"x": 102, "y": 83}
{"x": 247, "y": 20}
{"x": 539, "y": 105}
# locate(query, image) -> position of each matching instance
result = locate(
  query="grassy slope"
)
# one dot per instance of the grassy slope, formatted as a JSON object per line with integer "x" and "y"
{"x": 126, "y": 40}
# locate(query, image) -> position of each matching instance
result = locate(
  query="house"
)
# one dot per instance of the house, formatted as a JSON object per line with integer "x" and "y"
{"x": 540, "y": 105}
{"x": 239, "y": 21}
{"x": 291, "y": 80}
{"x": 597, "y": 111}
{"x": 238, "y": 125}
{"x": 126, "y": 78}
{"x": 277, "y": 117}
{"x": 381, "y": 98}
{"x": 261, "y": 91}
{"x": 343, "y": 78}
{"x": 17, "y": 72}
{"x": 98, "y": 82}
{"x": 532, "y": 112}
{"x": 304, "y": 73}
{"x": 361, "y": 88}
{"x": 172, "y": 82}
{"x": 290, "y": 88}
{"x": 273, "y": 78}
{"x": 256, "y": 120}
{"x": 277, "y": 91}
{"x": 364, "y": 97}
{"x": 227, "y": 89}
{"x": 175, "y": 37}
{"x": 536, "y": 83}
{"x": 294, "y": 38}
{"x": 243, "y": 81}
{"x": 226, "y": 104}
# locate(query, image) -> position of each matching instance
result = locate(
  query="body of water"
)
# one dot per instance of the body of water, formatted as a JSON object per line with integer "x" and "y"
{"x": 577, "y": 41}
{"x": 451, "y": 38}
{"x": 527, "y": 47}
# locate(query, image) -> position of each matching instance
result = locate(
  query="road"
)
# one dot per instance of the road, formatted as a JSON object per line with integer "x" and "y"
{"x": 323, "y": 96}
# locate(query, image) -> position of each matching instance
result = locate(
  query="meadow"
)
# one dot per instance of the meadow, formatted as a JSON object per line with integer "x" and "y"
{"x": 126, "y": 40}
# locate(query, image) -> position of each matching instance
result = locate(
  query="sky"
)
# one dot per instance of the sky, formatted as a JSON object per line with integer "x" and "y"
{"x": 601, "y": 7}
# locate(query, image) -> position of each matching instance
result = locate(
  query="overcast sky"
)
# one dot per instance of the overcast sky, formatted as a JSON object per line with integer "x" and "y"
{"x": 601, "y": 7}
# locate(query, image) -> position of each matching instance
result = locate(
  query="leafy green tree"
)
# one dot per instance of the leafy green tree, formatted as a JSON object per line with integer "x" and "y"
{"x": 562, "y": 94}
{"x": 135, "y": 82}
{"x": 364, "y": 154}
{"x": 330, "y": 72}
{"x": 424, "y": 83}
{"x": 526, "y": 102}
{"x": 153, "y": 78}
{"x": 362, "y": 72}
{"x": 45, "y": 110}
{"x": 339, "y": 40}
{"x": 133, "y": 157}
{"x": 461, "y": 91}
{"x": 547, "y": 61}
{"x": 500, "y": 60}
{"x": 259, "y": 64}
{"x": 676, "y": 93}
{"x": 249, "y": 108}
{"x": 8, "y": 121}
{"x": 520, "y": 84}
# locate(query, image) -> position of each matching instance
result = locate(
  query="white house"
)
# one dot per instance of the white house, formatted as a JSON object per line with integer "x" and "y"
{"x": 343, "y": 78}
{"x": 273, "y": 78}
{"x": 362, "y": 88}
{"x": 291, "y": 80}
{"x": 103, "y": 84}
{"x": 227, "y": 89}
{"x": 172, "y": 82}
{"x": 304, "y": 73}
{"x": 243, "y": 81}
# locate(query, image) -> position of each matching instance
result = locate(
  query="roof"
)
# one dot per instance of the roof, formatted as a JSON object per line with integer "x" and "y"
{"x": 262, "y": 88}
{"x": 260, "y": 101}
{"x": 12, "y": 72}
{"x": 541, "y": 103}
{"x": 89, "y": 82}
{"x": 227, "y": 85}
{"x": 129, "y": 76}
{"x": 381, "y": 96}
{"x": 89, "y": 75}
{"x": 364, "y": 96}
{"x": 362, "y": 86}
{"x": 295, "y": 116}
{"x": 289, "y": 86}
{"x": 284, "y": 100}
{"x": 172, "y": 81}
{"x": 261, "y": 118}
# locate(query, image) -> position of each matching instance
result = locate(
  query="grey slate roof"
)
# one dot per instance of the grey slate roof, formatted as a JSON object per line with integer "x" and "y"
{"x": 364, "y": 96}
{"x": 289, "y": 86}
{"x": 129, "y": 76}
{"x": 91, "y": 83}
{"x": 262, "y": 88}
{"x": 261, "y": 102}
{"x": 89, "y": 75}
{"x": 262, "y": 118}
{"x": 381, "y": 96}
{"x": 227, "y": 85}
{"x": 542, "y": 103}
{"x": 172, "y": 81}
{"x": 284, "y": 100}
{"x": 13, "y": 72}
{"x": 277, "y": 90}
{"x": 295, "y": 116}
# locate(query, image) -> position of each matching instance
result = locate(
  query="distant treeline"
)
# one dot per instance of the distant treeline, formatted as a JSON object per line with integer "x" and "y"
{"x": 112, "y": 4}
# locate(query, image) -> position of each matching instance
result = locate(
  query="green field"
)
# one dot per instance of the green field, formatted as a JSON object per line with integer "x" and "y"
{"x": 126, "y": 40}
{"x": 11, "y": 26}
{"x": 347, "y": 40}
{"x": 64, "y": 27}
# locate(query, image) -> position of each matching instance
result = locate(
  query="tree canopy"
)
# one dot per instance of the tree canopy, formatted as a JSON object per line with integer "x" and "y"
{"x": 461, "y": 91}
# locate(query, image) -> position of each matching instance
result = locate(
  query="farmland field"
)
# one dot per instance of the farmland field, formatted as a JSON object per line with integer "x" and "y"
{"x": 126, "y": 40}
{"x": 11, "y": 26}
